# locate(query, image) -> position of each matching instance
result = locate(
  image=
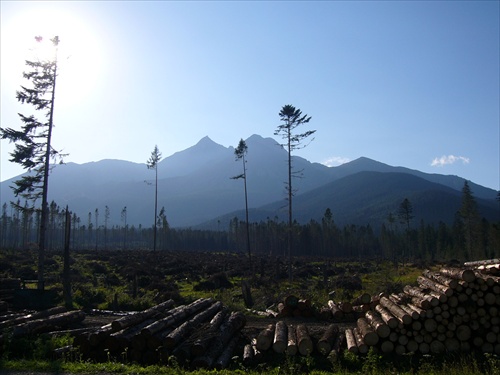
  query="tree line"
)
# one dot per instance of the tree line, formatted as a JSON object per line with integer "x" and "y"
{"x": 399, "y": 238}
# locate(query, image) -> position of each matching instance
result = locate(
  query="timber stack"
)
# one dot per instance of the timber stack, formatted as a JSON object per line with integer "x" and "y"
{"x": 202, "y": 334}
{"x": 451, "y": 310}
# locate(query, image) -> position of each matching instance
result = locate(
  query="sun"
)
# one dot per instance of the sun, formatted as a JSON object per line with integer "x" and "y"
{"x": 79, "y": 55}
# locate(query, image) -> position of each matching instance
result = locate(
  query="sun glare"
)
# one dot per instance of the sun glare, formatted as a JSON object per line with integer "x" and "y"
{"x": 79, "y": 56}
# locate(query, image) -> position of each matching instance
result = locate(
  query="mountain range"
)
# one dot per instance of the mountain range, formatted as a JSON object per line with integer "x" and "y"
{"x": 196, "y": 189}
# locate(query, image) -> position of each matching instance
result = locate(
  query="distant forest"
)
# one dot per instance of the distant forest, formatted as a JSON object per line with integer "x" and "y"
{"x": 399, "y": 238}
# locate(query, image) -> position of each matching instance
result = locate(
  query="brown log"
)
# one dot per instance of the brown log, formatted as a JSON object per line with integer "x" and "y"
{"x": 248, "y": 354}
{"x": 130, "y": 320}
{"x": 47, "y": 324}
{"x": 117, "y": 341}
{"x": 265, "y": 338}
{"x": 345, "y": 306}
{"x": 458, "y": 273}
{"x": 363, "y": 299}
{"x": 370, "y": 337}
{"x": 227, "y": 330}
{"x": 186, "y": 328}
{"x": 304, "y": 342}
{"x": 463, "y": 332}
{"x": 291, "y": 346}
{"x": 325, "y": 313}
{"x": 395, "y": 310}
{"x": 333, "y": 356}
{"x": 280, "y": 337}
{"x": 33, "y": 316}
{"x": 362, "y": 347}
{"x": 421, "y": 312}
{"x": 441, "y": 297}
{"x": 387, "y": 317}
{"x": 337, "y": 312}
{"x": 377, "y": 323}
{"x": 426, "y": 283}
{"x": 387, "y": 346}
{"x": 226, "y": 354}
{"x": 100, "y": 334}
{"x": 352, "y": 346}
{"x": 442, "y": 279}
{"x": 200, "y": 345}
{"x": 291, "y": 301}
{"x": 414, "y": 314}
{"x": 484, "y": 262}
{"x": 418, "y": 293}
{"x": 176, "y": 315}
{"x": 327, "y": 339}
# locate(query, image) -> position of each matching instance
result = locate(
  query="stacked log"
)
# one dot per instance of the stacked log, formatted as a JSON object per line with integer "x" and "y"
{"x": 292, "y": 306}
{"x": 451, "y": 310}
{"x": 198, "y": 332}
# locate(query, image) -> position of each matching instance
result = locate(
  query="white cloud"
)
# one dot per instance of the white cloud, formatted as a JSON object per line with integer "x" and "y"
{"x": 449, "y": 159}
{"x": 335, "y": 161}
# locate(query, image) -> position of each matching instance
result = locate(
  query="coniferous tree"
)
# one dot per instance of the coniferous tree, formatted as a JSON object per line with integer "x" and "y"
{"x": 405, "y": 214}
{"x": 240, "y": 153}
{"x": 470, "y": 220}
{"x": 152, "y": 163}
{"x": 291, "y": 118}
{"x": 33, "y": 149}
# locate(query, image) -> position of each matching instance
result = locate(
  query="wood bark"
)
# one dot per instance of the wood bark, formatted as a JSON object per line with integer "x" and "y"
{"x": 395, "y": 310}
{"x": 370, "y": 337}
{"x": 377, "y": 323}
{"x": 387, "y": 317}
{"x": 327, "y": 339}
{"x": 47, "y": 324}
{"x": 362, "y": 347}
{"x": 130, "y": 320}
{"x": 33, "y": 316}
{"x": 291, "y": 346}
{"x": 280, "y": 337}
{"x": 352, "y": 346}
{"x": 304, "y": 342}
{"x": 458, "y": 273}
{"x": 337, "y": 313}
{"x": 265, "y": 338}
{"x": 433, "y": 285}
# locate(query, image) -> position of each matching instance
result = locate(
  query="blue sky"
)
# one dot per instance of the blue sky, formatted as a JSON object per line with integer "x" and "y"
{"x": 413, "y": 84}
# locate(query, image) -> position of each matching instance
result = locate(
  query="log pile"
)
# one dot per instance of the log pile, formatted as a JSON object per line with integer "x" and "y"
{"x": 202, "y": 334}
{"x": 451, "y": 310}
{"x": 293, "y": 339}
{"x": 292, "y": 306}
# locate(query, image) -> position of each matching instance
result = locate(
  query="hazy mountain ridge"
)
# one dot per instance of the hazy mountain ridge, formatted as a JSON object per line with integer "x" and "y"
{"x": 195, "y": 187}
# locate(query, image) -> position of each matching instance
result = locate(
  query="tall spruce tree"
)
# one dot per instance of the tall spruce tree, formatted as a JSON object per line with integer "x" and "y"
{"x": 33, "y": 149}
{"x": 291, "y": 118}
{"x": 405, "y": 214}
{"x": 240, "y": 153}
{"x": 152, "y": 163}
{"x": 471, "y": 222}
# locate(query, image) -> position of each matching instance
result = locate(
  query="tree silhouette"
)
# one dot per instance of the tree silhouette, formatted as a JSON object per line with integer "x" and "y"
{"x": 405, "y": 214}
{"x": 291, "y": 118}
{"x": 33, "y": 149}
{"x": 240, "y": 153}
{"x": 470, "y": 220}
{"x": 152, "y": 163}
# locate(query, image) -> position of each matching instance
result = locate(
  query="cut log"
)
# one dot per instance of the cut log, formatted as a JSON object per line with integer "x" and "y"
{"x": 186, "y": 328}
{"x": 458, "y": 273}
{"x": 327, "y": 339}
{"x": 337, "y": 313}
{"x": 333, "y": 356}
{"x": 117, "y": 341}
{"x": 377, "y": 323}
{"x": 200, "y": 345}
{"x": 226, "y": 354}
{"x": 304, "y": 342}
{"x": 33, "y": 316}
{"x": 363, "y": 299}
{"x": 395, "y": 310}
{"x": 352, "y": 346}
{"x": 442, "y": 279}
{"x": 426, "y": 283}
{"x": 280, "y": 337}
{"x": 362, "y": 347}
{"x": 291, "y": 346}
{"x": 175, "y": 316}
{"x": 265, "y": 338}
{"x": 345, "y": 306}
{"x": 369, "y": 336}
{"x": 391, "y": 321}
{"x": 130, "y": 320}
{"x": 228, "y": 329}
{"x": 248, "y": 354}
{"x": 484, "y": 262}
{"x": 387, "y": 346}
{"x": 47, "y": 324}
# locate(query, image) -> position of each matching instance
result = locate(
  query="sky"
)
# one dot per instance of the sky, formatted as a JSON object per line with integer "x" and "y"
{"x": 407, "y": 83}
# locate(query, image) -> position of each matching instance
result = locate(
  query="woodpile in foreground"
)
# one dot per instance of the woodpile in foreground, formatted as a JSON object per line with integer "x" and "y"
{"x": 451, "y": 310}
